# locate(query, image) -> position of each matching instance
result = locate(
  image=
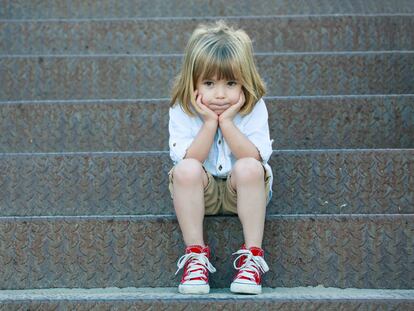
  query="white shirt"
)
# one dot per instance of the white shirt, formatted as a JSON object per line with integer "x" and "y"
{"x": 184, "y": 128}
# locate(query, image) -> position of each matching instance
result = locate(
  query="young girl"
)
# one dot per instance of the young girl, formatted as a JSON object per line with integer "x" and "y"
{"x": 219, "y": 142}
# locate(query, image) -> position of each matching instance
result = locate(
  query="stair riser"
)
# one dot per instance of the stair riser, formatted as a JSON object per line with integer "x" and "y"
{"x": 333, "y": 251}
{"x": 130, "y": 8}
{"x": 304, "y": 182}
{"x": 102, "y": 77}
{"x": 311, "y": 33}
{"x": 297, "y": 123}
{"x": 206, "y": 304}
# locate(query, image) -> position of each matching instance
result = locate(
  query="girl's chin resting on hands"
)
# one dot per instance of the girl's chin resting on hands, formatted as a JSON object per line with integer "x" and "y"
{"x": 219, "y": 109}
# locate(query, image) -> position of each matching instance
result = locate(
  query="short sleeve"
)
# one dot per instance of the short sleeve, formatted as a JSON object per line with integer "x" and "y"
{"x": 180, "y": 131}
{"x": 256, "y": 128}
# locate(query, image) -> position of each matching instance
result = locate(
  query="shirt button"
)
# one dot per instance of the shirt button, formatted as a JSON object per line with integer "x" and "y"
{"x": 219, "y": 142}
{"x": 220, "y": 167}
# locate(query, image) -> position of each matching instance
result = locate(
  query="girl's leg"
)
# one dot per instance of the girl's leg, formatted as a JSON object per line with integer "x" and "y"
{"x": 189, "y": 181}
{"x": 247, "y": 178}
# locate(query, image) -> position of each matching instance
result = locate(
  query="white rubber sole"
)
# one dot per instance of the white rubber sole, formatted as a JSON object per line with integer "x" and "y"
{"x": 194, "y": 289}
{"x": 240, "y": 288}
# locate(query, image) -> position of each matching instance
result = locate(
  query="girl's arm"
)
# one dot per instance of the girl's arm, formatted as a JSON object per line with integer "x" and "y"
{"x": 239, "y": 144}
{"x": 252, "y": 140}
{"x": 201, "y": 145}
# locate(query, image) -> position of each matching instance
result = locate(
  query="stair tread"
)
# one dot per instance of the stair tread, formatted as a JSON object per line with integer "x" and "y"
{"x": 363, "y": 251}
{"x": 166, "y": 152}
{"x": 131, "y": 8}
{"x": 284, "y": 74}
{"x": 305, "y": 181}
{"x": 180, "y": 55}
{"x": 171, "y": 217}
{"x": 269, "y": 33}
{"x": 378, "y": 121}
{"x": 166, "y": 293}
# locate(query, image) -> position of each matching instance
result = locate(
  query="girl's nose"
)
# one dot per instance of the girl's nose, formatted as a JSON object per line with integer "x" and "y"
{"x": 220, "y": 92}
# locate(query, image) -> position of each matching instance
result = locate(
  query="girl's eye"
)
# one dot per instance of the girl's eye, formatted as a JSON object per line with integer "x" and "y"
{"x": 232, "y": 83}
{"x": 208, "y": 83}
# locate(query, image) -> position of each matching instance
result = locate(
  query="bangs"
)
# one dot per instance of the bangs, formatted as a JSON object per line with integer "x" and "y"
{"x": 220, "y": 63}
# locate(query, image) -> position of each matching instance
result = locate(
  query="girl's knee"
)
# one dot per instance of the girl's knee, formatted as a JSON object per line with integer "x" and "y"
{"x": 248, "y": 169}
{"x": 188, "y": 171}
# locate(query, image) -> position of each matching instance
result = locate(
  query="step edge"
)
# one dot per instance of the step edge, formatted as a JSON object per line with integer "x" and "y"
{"x": 167, "y": 99}
{"x": 170, "y": 217}
{"x": 202, "y": 18}
{"x": 180, "y": 55}
{"x": 318, "y": 293}
{"x": 166, "y": 152}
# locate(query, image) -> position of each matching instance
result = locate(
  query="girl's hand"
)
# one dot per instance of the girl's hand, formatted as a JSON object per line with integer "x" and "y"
{"x": 229, "y": 114}
{"x": 206, "y": 113}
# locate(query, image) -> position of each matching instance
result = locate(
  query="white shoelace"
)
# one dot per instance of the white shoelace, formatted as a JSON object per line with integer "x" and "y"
{"x": 253, "y": 264}
{"x": 201, "y": 262}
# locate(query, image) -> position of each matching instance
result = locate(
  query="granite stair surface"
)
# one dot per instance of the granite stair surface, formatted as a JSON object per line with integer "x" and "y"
{"x": 86, "y": 220}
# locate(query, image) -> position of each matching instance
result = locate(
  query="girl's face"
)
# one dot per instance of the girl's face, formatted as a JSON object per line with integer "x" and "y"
{"x": 219, "y": 92}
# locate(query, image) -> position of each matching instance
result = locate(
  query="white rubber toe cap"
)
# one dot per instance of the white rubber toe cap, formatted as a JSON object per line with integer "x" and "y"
{"x": 194, "y": 288}
{"x": 245, "y": 288}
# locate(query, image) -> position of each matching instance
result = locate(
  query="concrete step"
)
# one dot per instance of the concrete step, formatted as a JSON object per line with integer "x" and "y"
{"x": 21, "y": 9}
{"x": 289, "y": 299}
{"x": 379, "y": 121}
{"x": 363, "y": 251}
{"x": 305, "y": 181}
{"x": 155, "y": 36}
{"x": 139, "y": 76}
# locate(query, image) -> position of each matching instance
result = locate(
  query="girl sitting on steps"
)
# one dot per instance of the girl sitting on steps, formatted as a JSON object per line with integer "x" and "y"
{"x": 219, "y": 143}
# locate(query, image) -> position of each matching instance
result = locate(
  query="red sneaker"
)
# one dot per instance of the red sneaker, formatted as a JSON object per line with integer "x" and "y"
{"x": 196, "y": 265}
{"x": 251, "y": 266}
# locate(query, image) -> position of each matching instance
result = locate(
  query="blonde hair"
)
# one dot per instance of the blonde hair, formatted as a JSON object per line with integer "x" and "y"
{"x": 221, "y": 51}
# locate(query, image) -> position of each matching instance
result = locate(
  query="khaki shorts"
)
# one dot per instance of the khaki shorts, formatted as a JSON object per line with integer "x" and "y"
{"x": 219, "y": 196}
